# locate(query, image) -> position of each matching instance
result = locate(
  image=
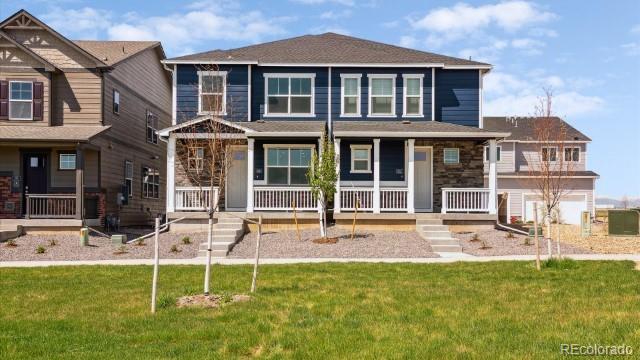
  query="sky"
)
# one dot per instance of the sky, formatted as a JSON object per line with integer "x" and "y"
{"x": 587, "y": 52}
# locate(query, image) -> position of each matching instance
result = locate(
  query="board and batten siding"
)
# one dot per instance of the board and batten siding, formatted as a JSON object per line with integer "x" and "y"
{"x": 457, "y": 97}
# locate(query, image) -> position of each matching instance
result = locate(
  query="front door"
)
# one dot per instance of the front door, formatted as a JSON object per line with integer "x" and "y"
{"x": 34, "y": 175}
{"x": 423, "y": 179}
{"x": 236, "y": 195}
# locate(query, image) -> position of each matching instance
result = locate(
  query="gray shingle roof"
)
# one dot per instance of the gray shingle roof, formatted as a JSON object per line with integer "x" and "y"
{"x": 417, "y": 128}
{"x": 50, "y": 133}
{"x": 113, "y": 52}
{"x": 285, "y": 126}
{"x": 581, "y": 173}
{"x": 523, "y": 128}
{"x": 327, "y": 48}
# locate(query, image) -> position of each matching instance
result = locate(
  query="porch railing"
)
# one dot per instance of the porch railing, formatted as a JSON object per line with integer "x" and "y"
{"x": 465, "y": 200}
{"x": 349, "y": 197}
{"x": 393, "y": 199}
{"x": 194, "y": 198}
{"x": 50, "y": 206}
{"x": 283, "y": 198}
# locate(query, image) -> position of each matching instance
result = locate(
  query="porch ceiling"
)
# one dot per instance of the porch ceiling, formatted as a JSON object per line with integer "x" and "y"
{"x": 21, "y": 133}
{"x": 413, "y": 129}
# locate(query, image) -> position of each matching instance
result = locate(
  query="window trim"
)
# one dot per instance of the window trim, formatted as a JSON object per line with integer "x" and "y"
{"x": 266, "y": 148}
{"x": 420, "y": 113}
{"x": 367, "y": 147}
{"x": 154, "y": 134}
{"x": 199, "y": 162}
{"x": 16, "y": 100}
{"x": 116, "y": 111}
{"x": 370, "y": 78}
{"x": 129, "y": 189}
{"x": 358, "y": 95}
{"x": 548, "y": 147}
{"x": 311, "y": 76}
{"x": 572, "y": 148}
{"x": 485, "y": 153}
{"x": 224, "y": 91}
{"x": 67, "y": 152}
{"x": 444, "y": 156}
{"x": 145, "y": 195}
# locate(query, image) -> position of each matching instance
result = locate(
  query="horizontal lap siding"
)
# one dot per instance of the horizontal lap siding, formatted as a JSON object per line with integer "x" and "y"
{"x": 528, "y": 154}
{"x": 187, "y": 92}
{"x": 31, "y": 75}
{"x": 457, "y": 97}
{"x": 77, "y": 98}
{"x": 392, "y": 160}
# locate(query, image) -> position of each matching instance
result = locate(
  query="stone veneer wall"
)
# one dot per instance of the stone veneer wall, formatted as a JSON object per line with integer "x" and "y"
{"x": 468, "y": 173}
{"x": 8, "y": 197}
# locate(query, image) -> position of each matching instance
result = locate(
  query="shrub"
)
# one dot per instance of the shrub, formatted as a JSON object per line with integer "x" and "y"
{"x": 510, "y": 235}
{"x": 165, "y": 301}
{"x": 225, "y": 298}
{"x": 174, "y": 248}
{"x": 186, "y": 240}
{"x": 484, "y": 246}
{"x": 475, "y": 237}
{"x": 40, "y": 249}
{"x": 12, "y": 243}
{"x": 140, "y": 242}
{"x": 527, "y": 241}
{"x": 53, "y": 242}
{"x": 121, "y": 250}
{"x": 560, "y": 264}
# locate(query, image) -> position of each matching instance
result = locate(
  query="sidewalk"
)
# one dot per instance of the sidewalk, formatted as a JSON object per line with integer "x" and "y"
{"x": 448, "y": 258}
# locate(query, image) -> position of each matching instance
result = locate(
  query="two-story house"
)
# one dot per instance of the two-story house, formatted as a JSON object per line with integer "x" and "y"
{"x": 518, "y": 160}
{"x": 78, "y": 123}
{"x": 406, "y": 126}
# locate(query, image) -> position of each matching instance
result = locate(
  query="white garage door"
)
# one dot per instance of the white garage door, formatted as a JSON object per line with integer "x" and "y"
{"x": 570, "y": 210}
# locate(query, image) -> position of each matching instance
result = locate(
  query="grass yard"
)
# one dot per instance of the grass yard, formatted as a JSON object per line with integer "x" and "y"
{"x": 320, "y": 311}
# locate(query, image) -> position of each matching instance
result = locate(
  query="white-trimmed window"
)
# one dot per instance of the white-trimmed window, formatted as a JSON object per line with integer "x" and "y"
{"x": 412, "y": 89}
{"x": 498, "y": 153}
{"x": 212, "y": 92}
{"x": 549, "y": 154}
{"x": 150, "y": 183}
{"x": 116, "y": 101}
{"x": 128, "y": 177}
{"x": 572, "y": 154}
{"x": 360, "y": 158}
{"x": 382, "y": 95}
{"x": 288, "y": 164}
{"x": 152, "y": 127}
{"x": 289, "y": 94}
{"x": 20, "y": 100}
{"x": 350, "y": 95}
{"x": 195, "y": 158}
{"x": 66, "y": 161}
{"x": 451, "y": 156}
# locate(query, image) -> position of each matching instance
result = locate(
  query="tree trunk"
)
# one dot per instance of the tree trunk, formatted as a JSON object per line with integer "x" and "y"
{"x": 207, "y": 269}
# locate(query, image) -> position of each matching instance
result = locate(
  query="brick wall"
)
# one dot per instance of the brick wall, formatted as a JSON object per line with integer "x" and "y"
{"x": 102, "y": 204}
{"x": 7, "y": 198}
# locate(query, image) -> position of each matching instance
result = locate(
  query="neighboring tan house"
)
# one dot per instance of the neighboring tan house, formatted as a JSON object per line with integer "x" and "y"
{"x": 406, "y": 124}
{"x": 517, "y": 155}
{"x": 77, "y": 127}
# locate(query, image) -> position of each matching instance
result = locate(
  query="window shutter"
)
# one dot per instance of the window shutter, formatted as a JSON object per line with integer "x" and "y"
{"x": 4, "y": 100}
{"x": 38, "y": 104}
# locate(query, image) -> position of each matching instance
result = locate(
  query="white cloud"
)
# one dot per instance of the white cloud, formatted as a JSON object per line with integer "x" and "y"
{"x": 408, "y": 41}
{"x": 316, "y": 2}
{"x": 85, "y": 23}
{"x": 489, "y": 53}
{"x": 464, "y": 19}
{"x": 632, "y": 48}
{"x": 543, "y": 32}
{"x": 335, "y": 15}
{"x": 528, "y": 46}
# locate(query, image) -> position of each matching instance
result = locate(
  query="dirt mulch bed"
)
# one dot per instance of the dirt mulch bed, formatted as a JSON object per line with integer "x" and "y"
{"x": 67, "y": 247}
{"x": 366, "y": 244}
{"x": 599, "y": 241}
{"x": 210, "y": 301}
{"x": 498, "y": 243}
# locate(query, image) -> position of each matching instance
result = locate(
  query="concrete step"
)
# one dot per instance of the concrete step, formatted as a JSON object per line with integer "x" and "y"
{"x": 230, "y": 220}
{"x": 429, "y": 222}
{"x": 216, "y": 246}
{"x": 232, "y": 226}
{"x": 444, "y": 242}
{"x": 436, "y": 234}
{"x": 446, "y": 248}
{"x": 432, "y": 227}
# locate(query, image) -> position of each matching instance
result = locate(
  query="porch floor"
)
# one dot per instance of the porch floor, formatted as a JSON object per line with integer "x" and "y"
{"x": 276, "y": 215}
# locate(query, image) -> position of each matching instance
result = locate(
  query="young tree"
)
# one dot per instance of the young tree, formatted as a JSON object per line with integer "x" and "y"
{"x": 322, "y": 177}
{"x": 550, "y": 164}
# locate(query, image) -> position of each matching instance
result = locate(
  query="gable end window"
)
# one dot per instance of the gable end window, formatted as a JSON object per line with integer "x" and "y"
{"x": 116, "y": 102}
{"x": 451, "y": 156}
{"x": 152, "y": 127}
{"x": 212, "y": 92}
{"x": 549, "y": 154}
{"x": 289, "y": 94}
{"x": 572, "y": 154}
{"x": 66, "y": 161}
{"x": 360, "y": 159}
{"x": 150, "y": 183}
{"x": 350, "y": 95}
{"x": 412, "y": 89}
{"x": 498, "y": 153}
{"x": 382, "y": 94}
{"x": 128, "y": 177}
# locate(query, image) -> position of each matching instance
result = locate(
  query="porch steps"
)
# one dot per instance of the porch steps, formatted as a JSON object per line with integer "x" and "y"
{"x": 438, "y": 235}
{"x": 8, "y": 232}
{"x": 226, "y": 233}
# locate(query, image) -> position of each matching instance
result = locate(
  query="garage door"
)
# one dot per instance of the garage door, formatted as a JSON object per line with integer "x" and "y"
{"x": 571, "y": 209}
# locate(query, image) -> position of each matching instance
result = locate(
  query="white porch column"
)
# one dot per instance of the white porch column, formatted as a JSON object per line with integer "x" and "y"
{"x": 336, "y": 199}
{"x": 410, "y": 176}
{"x": 376, "y": 176}
{"x": 250, "y": 143}
{"x": 171, "y": 174}
{"x": 319, "y": 158}
{"x": 493, "y": 177}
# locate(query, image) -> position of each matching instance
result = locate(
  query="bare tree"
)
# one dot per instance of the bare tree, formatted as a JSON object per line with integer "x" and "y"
{"x": 205, "y": 150}
{"x": 551, "y": 163}
{"x": 624, "y": 202}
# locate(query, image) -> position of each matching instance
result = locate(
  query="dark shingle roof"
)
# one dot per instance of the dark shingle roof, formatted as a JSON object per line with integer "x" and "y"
{"x": 417, "y": 128}
{"x": 113, "y": 52}
{"x": 327, "y": 48}
{"x": 285, "y": 126}
{"x": 523, "y": 128}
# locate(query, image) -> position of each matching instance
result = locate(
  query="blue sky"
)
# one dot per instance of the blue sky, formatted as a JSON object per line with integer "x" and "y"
{"x": 587, "y": 51}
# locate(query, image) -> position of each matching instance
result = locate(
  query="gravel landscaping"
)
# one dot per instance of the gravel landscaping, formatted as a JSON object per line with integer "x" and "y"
{"x": 600, "y": 241}
{"x": 366, "y": 244}
{"x": 498, "y": 243}
{"x": 67, "y": 247}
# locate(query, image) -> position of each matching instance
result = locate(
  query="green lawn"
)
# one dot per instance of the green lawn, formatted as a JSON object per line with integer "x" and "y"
{"x": 320, "y": 311}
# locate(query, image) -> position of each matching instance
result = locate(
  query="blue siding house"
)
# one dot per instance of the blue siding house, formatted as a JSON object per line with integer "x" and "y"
{"x": 406, "y": 124}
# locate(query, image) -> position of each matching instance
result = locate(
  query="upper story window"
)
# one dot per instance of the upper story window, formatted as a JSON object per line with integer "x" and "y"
{"x": 451, "y": 156}
{"x": 212, "y": 92}
{"x": 412, "y": 102}
{"x": 116, "y": 102}
{"x": 150, "y": 183}
{"x": 289, "y": 94}
{"x": 572, "y": 154}
{"x": 20, "y": 100}
{"x": 382, "y": 94}
{"x": 498, "y": 153}
{"x": 152, "y": 127}
{"x": 549, "y": 154}
{"x": 288, "y": 164}
{"x": 360, "y": 158}
{"x": 350, "y": 97}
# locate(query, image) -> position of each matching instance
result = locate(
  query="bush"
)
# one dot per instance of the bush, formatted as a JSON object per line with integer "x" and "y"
{"x": 475, "y": 237}
{"x": 174, "y": 248}
{"x": 140, "y": 242}
{"x": 510, "y": 235}
{"x": 527, "y": 241}
{"x": 12, "y": 243}
{"x": 186, "y": 240}
{"x": 560, "y": 264}
{"x": 40, "y": 249}
{"x": 484, "y": 246}
{"x": 53, "y": 242}
{"x": 121, "y": 250}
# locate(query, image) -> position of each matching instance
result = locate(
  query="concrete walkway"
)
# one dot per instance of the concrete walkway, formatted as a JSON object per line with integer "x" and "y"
{"x": 448, "y": 258}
